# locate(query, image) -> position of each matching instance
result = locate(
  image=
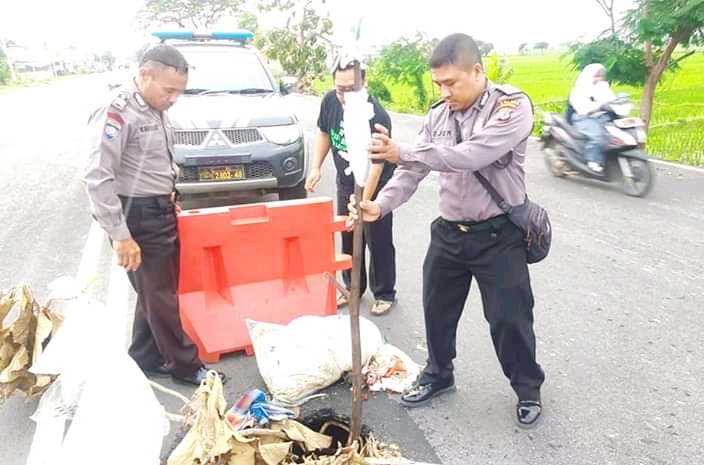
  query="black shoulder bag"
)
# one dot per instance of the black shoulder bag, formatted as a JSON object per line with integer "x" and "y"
{"x": 530, "y": 217}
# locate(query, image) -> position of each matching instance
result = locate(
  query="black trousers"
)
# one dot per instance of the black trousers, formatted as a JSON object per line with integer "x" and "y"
{"x": 496, "y": 258}
{"x": 378, "y": 237}
{"x": 157, "y": 335}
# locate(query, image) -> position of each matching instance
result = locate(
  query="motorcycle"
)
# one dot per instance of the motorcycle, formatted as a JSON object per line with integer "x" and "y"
{"x": 626, "y": 162}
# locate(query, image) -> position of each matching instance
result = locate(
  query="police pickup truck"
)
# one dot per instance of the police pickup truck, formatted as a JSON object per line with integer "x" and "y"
{"x": 235, "y": 132}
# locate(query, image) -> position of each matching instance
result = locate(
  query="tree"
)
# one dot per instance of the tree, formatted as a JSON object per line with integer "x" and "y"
{"x": 498, "y": 70}
{"x": 542, "y": 46}
{"x": 301, "y": 45}
{"x": 108, "y": 59}
{"x": 608, "y": 7}
{"x": 406, "y": 61}
{"x": 139, "y": 53}
{"x": 485, "y": 47}
{"x": 7, "y": 70}
{"x": 650, "y": 34}
{"x": 248, "y": 21}
{"x": 4, "y": 68}
{"x": 625, "y": 63}
{"x": 523, "y": 48}
{"x": 187, "y": 13}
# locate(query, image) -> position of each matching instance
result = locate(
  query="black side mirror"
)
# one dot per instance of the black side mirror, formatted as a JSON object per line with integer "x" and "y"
{"x": 288, "y": 84}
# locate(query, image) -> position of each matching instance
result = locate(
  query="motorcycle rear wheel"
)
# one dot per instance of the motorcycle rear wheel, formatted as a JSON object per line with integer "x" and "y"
{"x": 555, "y": 163}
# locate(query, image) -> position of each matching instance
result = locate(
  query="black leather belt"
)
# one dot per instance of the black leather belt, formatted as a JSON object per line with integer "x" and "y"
{"x": 490, "y": 224}
{"x": 160, "y": 200}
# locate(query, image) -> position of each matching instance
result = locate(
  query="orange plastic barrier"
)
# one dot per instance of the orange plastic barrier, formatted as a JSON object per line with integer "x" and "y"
{"x": 264, "y": 261}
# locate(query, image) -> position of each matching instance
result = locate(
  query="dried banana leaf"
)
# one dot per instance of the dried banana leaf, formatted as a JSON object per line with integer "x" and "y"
{"x": 207, "y": 442}
{"x": 211, "y": 439}
{"x": 7, "y": 301}
{"x": 22, "y": 342}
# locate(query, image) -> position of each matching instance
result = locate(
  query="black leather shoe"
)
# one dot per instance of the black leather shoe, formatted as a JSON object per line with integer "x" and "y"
{"x": 422, "y": 393}
{"x": 198, "y": 377}
{"x": 528, "y": 413}
{"x": 158, "y": 372}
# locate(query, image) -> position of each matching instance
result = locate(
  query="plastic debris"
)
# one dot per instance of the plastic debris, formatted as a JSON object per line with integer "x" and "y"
{"x": 254, "y": 408}
{"x": 390, "y": 369}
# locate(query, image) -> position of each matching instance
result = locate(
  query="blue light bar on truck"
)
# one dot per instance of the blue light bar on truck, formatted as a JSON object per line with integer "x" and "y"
{"x": 240, "y": 35}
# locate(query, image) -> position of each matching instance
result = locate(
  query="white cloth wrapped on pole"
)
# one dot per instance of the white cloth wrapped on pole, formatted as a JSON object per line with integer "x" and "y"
{"x": 357, "y": 113}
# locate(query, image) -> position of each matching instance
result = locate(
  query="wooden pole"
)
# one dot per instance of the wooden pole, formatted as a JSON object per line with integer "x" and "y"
{"x": 357, "y": 253}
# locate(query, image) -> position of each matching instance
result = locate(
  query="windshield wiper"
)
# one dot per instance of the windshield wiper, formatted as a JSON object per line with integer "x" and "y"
{"x": 194, "y": 91}
{"x": 254, "y": 90}
{"x": 250, "y": 90}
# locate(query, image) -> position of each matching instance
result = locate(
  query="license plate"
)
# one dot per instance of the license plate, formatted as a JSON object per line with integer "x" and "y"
{"x": 221, "y": 173}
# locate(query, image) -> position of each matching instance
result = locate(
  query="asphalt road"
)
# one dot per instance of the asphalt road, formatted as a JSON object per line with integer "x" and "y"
{"x": 618, "y": 304}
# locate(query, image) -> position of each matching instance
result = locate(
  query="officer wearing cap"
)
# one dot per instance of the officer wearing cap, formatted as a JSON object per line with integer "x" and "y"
{"x": 478, "y": 126}
{"x": 130, "y": 180}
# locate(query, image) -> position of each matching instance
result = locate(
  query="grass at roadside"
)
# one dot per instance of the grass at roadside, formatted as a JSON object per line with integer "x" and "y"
{"x": 677, "y": 125}
{"x": 22, "y": 83}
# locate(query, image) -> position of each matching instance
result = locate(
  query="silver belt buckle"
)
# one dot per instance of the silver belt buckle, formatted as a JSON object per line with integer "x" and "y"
{"x": 463, "y": 227}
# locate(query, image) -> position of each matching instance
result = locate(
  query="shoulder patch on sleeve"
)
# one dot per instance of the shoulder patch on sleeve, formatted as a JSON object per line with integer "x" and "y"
{"x": 115, "y": 119}
{"x": 508, "y": 103}
{"x": 505, "y": 108}
{"x": 113, "y": 125}
{"x": 110, "y": 131}
{"x": 512, "y": 99}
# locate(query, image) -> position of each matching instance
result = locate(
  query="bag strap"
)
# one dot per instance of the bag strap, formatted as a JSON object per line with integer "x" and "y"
{"x": 505, "y": 207}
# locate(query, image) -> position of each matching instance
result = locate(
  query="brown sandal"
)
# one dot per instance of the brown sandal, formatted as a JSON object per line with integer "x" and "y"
{"x": 381, "y": 307}
{"x": 342, "y": 299}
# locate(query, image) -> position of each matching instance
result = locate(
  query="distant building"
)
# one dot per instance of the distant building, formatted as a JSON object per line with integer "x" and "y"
{"x": 30, "y": 62}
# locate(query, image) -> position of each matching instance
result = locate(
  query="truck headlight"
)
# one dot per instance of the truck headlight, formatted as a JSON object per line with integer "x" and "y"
{"x": 281, "y": 135}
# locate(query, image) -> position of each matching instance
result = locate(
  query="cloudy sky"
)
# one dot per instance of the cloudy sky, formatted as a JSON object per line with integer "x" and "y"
{"x": 505, "y": 23}
{"x": 109, "y": 24}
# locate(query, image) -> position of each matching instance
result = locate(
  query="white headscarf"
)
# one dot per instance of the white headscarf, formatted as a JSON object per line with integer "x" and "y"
{"x": 587, "y": 95}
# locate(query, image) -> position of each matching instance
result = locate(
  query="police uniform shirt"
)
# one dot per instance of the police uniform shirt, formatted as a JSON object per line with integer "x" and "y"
{"x": 130, "y": 154}
{"x": 494, "y": 133}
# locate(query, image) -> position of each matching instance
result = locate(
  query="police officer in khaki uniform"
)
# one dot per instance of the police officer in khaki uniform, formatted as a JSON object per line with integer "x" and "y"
{"x": 130, "y": 180}
{"x": 478, "y": 126}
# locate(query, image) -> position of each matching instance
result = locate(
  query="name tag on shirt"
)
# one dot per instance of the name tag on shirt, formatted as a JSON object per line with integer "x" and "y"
{"x": 149, "y": 127}
{"x": 440, "y": 133}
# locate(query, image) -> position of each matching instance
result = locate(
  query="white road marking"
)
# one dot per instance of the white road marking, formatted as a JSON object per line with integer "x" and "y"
{"x": 116, "y": 302}
{"x": 90, "y": 258}
{"x": 117, "y": 297}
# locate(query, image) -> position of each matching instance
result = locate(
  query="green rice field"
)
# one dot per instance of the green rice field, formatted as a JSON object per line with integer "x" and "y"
{"x": 677, "y": 124}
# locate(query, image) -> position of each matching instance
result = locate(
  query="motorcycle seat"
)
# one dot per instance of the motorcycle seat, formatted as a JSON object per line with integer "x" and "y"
{"x": 562, "y": 122}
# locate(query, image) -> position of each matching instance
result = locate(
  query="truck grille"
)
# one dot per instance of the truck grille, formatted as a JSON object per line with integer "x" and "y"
{"x": 242, "y": 136}
{"x": 190, "y": 137}
{"x": 258, "y": 169}
{"x": 237, "y": 136}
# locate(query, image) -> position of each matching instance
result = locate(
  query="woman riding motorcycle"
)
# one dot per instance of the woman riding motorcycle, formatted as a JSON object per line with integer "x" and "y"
{"x": 588, "y": 94}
